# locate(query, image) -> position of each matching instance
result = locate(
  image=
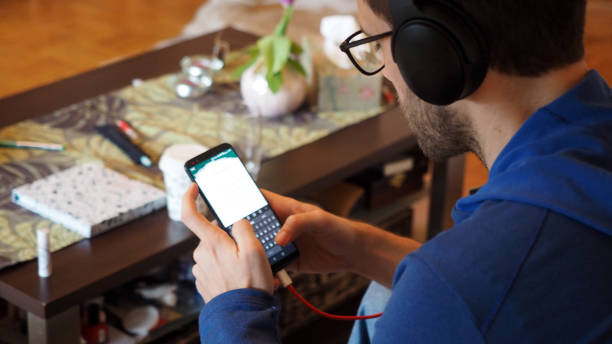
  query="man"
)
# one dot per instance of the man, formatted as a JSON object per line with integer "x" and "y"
{"x": 529, "y": 258}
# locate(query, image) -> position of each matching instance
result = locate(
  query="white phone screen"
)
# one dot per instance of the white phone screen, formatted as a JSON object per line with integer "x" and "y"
{"x": 229, "y": 188}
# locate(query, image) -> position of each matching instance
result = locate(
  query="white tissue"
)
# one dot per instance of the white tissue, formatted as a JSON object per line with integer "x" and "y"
{"x": 335, "y": 29}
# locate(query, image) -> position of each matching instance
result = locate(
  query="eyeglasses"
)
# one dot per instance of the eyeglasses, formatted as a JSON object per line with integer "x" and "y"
{"x": 365, "y": 52}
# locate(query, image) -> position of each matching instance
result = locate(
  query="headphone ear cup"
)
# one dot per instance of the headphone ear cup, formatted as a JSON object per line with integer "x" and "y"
{"x": 430, "y": 61}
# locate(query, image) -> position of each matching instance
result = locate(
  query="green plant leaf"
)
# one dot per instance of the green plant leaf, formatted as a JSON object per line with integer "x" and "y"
{"x": 252, "y": 50}
{"x": 266, "y": 50}
{"x": 275, "y": 81}
{"x": 295, "y": 65}
{"x": 296, "y": 48}
{"x": 281, "y": 29}
{"x": 281, "y": 45}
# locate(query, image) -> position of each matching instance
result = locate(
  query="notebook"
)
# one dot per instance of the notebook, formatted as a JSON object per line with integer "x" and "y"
{"x": 89, "y": 198}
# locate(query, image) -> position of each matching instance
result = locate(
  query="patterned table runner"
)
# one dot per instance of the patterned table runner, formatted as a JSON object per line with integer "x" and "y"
{"x": 162, "y": 119}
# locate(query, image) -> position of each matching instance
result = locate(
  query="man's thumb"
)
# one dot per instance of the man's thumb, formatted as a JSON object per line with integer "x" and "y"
{"x": 243, "y": 233}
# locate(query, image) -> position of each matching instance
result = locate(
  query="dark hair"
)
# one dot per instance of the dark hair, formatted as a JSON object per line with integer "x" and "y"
{"x": 525, "y": 37}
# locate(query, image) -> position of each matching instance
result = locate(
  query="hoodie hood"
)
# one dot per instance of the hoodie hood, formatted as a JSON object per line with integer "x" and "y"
{"x": 560, "y": 159}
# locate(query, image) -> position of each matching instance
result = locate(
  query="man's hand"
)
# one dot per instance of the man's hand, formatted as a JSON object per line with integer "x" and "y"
{"x": 326, "y": 242}
{"x": 329, "y": 243}
{"x": 222, "y": 264}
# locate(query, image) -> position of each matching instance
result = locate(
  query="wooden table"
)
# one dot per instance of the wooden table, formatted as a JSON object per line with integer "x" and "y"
{"x": 92, "y": 267}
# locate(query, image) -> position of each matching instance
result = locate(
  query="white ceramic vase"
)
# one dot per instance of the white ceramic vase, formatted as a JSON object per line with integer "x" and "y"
{"x": 260, "y": 99}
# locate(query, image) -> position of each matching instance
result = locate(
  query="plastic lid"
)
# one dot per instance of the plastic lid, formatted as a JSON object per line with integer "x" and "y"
{"x": 175, "y": 156}
{"x": 140, "y": 320}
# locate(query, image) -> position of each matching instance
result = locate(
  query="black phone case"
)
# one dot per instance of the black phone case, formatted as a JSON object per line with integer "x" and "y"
{"x": 207, "y": 155}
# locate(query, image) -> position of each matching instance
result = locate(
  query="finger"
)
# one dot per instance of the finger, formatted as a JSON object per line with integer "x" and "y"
{"x": 189, "y": 213}
{"x": 195, "y": 271}
{"x": 196, "y": 252}
{"x": 277, "y": 283}
{"x": 201, "y": 290}
{"x": 284, "y": 206}
{"x": 295, "y": 225}
{"x": 195, "y": 221}
{"x": 243, "y": 233}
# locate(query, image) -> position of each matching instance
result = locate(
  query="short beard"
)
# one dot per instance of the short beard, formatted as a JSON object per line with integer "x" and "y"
{"x": 441, "y": 132}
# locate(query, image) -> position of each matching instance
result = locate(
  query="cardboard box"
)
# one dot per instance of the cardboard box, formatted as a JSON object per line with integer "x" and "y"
{"x": 338, "y": 89}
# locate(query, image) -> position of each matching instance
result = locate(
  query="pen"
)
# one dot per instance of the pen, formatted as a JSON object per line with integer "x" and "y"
{"x": 116, "y": 136}
{"x": 31, "y": 145}
{"x": 127, "y": 129}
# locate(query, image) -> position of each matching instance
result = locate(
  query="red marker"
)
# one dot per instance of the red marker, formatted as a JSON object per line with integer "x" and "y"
{"x": 127, "y": 129}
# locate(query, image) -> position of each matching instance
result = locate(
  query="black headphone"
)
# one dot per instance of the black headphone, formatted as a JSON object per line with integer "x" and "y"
{"x": 440, "y": 51}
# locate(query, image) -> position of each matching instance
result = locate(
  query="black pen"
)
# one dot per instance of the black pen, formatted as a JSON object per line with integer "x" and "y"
{"x": 116, "y": 136}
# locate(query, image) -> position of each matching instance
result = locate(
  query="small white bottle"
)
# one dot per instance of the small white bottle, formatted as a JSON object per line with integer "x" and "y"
{"x": 44, "y": 253}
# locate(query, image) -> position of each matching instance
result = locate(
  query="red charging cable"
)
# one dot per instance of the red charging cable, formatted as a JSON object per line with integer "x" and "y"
{"x": 287, "y": 283}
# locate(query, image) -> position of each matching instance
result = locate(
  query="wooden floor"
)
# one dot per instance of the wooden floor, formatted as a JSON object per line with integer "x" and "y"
{"x": 46, "y": 40}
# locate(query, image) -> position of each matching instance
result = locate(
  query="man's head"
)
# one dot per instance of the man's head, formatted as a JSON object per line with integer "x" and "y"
{"x": 525, "y": 38}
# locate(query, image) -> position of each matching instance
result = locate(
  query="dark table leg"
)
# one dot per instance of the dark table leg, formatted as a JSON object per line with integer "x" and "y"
{"x": 446, "y": 188}
{"x": 63, "y": 328}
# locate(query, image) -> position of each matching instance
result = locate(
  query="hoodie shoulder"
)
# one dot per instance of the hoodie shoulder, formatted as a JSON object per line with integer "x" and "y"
{"x": 560, "y": 159}
{"x": 520, "y": 269}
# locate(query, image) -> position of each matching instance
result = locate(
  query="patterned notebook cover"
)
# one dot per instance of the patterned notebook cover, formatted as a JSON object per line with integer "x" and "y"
{"x": 89, "y": 198}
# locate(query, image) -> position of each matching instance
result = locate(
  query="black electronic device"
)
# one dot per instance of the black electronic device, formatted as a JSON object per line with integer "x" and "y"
{"x": 442, "y": 55}
{"x": 231, "y": 194}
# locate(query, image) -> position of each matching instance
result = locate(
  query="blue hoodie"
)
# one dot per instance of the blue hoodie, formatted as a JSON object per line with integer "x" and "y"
{"x": 530, "y": 256}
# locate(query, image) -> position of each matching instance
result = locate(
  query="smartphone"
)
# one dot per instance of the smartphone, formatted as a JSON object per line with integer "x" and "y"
{"x": 231, "y": 194}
